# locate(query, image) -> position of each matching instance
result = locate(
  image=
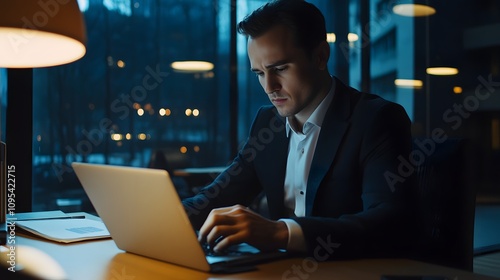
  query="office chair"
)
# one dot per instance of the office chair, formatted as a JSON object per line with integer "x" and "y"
{"x": 446, "y": 203}
{"x": 159, "y": 160}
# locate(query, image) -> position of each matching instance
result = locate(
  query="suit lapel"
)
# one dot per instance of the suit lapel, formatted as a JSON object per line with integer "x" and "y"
{"x": 276, "y": 156}
{"x": 333, "y": 129}
{"x": 277, "y": 194}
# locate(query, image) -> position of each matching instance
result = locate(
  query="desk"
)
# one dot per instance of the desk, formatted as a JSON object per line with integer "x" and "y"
{"x": 101, "y": 259}
{"x": 200, "y": 171}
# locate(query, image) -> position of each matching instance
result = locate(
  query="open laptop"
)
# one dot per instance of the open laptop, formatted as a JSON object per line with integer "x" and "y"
{"x": 144, "y": 215}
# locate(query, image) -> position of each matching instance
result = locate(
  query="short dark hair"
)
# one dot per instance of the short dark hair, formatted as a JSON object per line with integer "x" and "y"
{"x": 304, "y": 19}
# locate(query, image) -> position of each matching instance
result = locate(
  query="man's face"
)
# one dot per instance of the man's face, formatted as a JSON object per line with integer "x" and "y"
{"x": 286, "y": 73}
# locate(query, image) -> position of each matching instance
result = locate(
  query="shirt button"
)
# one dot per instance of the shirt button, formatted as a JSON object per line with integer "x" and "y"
{"x": 302, "y": 151}
{"x": 301, "y": 192}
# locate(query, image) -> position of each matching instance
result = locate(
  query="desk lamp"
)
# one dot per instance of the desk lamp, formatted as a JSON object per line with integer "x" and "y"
{"x": 37, "y": 33}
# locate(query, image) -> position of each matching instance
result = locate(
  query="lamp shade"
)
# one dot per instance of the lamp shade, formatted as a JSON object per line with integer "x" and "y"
{"x": 40, "y": 33}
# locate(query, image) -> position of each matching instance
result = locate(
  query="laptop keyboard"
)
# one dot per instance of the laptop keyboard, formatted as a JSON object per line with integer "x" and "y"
{"x": 231, "y": 251}
{"x": 235, "y": 250}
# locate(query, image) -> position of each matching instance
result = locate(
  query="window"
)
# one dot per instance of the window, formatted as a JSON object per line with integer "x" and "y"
{"x": 123, "y": 101}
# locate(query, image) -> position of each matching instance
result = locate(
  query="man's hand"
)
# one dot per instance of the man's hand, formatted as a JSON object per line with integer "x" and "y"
{"x": 238, "y": 224}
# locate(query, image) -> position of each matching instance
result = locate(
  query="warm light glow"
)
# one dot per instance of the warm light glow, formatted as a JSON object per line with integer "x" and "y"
{"x": 136, "y": 106}
{"x": 442, "y": 71}
{"x": 352, "y": 37}
{"x": 141, "y": 136}
{"x": 164, "y": 112}
{"x": 188, "y": 112}
{"x": 331, "y": 38}
{"x": 208, "y": 75}
{"x": 39, "y": 138}
{"x": 140, "y": 112}
{"x": 116, "y": 137}
{"x": 120, "y": 64}
{"x": 21, "y": 48}
{"x": 408, "y": 83}
{"x": 413, "y": 10}
{"x": 128, "y": 136}
{"x": 192, "y": 66}
{"x": 183, "y": 149}
{"x": 457, "y": 90}
{"x": 37, "y": 263}
{"x": 196, "y": 112}
{"x": 32, "y": 34}
{"x": 196, "y": 149}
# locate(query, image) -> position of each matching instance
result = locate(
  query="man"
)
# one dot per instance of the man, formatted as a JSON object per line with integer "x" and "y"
{"x": 321, "y": 153}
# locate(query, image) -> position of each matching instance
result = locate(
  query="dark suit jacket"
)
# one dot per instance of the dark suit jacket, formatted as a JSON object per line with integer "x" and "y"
{"x": 354, "y": 206}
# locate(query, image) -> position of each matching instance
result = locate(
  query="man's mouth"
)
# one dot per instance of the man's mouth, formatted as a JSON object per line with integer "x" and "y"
{"x": 278, "y": 101}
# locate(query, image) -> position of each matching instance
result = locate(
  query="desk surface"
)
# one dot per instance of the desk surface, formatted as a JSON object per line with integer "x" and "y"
{"x": 101, "y": 259}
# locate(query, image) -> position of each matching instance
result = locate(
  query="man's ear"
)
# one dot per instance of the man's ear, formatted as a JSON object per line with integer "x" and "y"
{"x": 322, "y": 55}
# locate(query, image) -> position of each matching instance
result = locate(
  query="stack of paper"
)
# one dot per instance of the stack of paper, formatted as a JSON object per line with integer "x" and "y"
{"x": 61, "y": 227}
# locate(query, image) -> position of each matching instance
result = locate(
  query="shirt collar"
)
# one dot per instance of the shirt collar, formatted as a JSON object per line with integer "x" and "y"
{"x": 316, "y": 118}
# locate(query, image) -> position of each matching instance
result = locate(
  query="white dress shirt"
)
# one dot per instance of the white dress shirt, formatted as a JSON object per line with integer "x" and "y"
{"x": 300, "y": 155}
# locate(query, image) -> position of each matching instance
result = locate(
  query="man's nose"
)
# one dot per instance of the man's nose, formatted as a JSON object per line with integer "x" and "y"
{"x": 271, "y": 84}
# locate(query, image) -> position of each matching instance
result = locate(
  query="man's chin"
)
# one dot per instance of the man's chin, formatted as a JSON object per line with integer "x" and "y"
{"x": 282, "y": 113}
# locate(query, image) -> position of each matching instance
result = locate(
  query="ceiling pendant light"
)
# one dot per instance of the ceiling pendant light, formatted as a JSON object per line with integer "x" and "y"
{"x": 413, "y": 10}
{"x": 442, "y": 71}
{"x": 192, "y": 66}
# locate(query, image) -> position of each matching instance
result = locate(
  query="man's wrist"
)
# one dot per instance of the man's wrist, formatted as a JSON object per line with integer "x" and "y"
{"x": 296, "y": 242}
{"x": 281, "y": 235}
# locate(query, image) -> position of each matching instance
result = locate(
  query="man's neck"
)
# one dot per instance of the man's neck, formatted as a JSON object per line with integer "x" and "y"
{"x": 298, "y": 120}
{"x": 294, "y": 123}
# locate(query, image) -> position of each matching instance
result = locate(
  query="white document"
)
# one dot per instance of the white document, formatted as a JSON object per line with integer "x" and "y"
{"x": 66, "y": 230}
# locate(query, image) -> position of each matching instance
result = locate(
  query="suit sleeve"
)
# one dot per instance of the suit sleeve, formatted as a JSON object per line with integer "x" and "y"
{"x": 381, "y": 226}
{"x": 237, "y": 184}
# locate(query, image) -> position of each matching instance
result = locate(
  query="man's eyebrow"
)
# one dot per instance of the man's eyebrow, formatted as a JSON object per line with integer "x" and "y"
{"x": 277, "y": 63}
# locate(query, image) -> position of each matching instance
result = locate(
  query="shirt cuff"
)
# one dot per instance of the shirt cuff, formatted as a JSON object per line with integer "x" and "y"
{"x": 296, "y": 242}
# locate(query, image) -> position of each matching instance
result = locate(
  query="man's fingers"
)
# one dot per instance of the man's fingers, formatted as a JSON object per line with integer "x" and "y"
{"x": 228, "y": 209}
{"x": 218, "y": 232}
{"x": 226, "y": 241}
{"x": 221, "y": 225}
{"x": 217, "y": 217}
